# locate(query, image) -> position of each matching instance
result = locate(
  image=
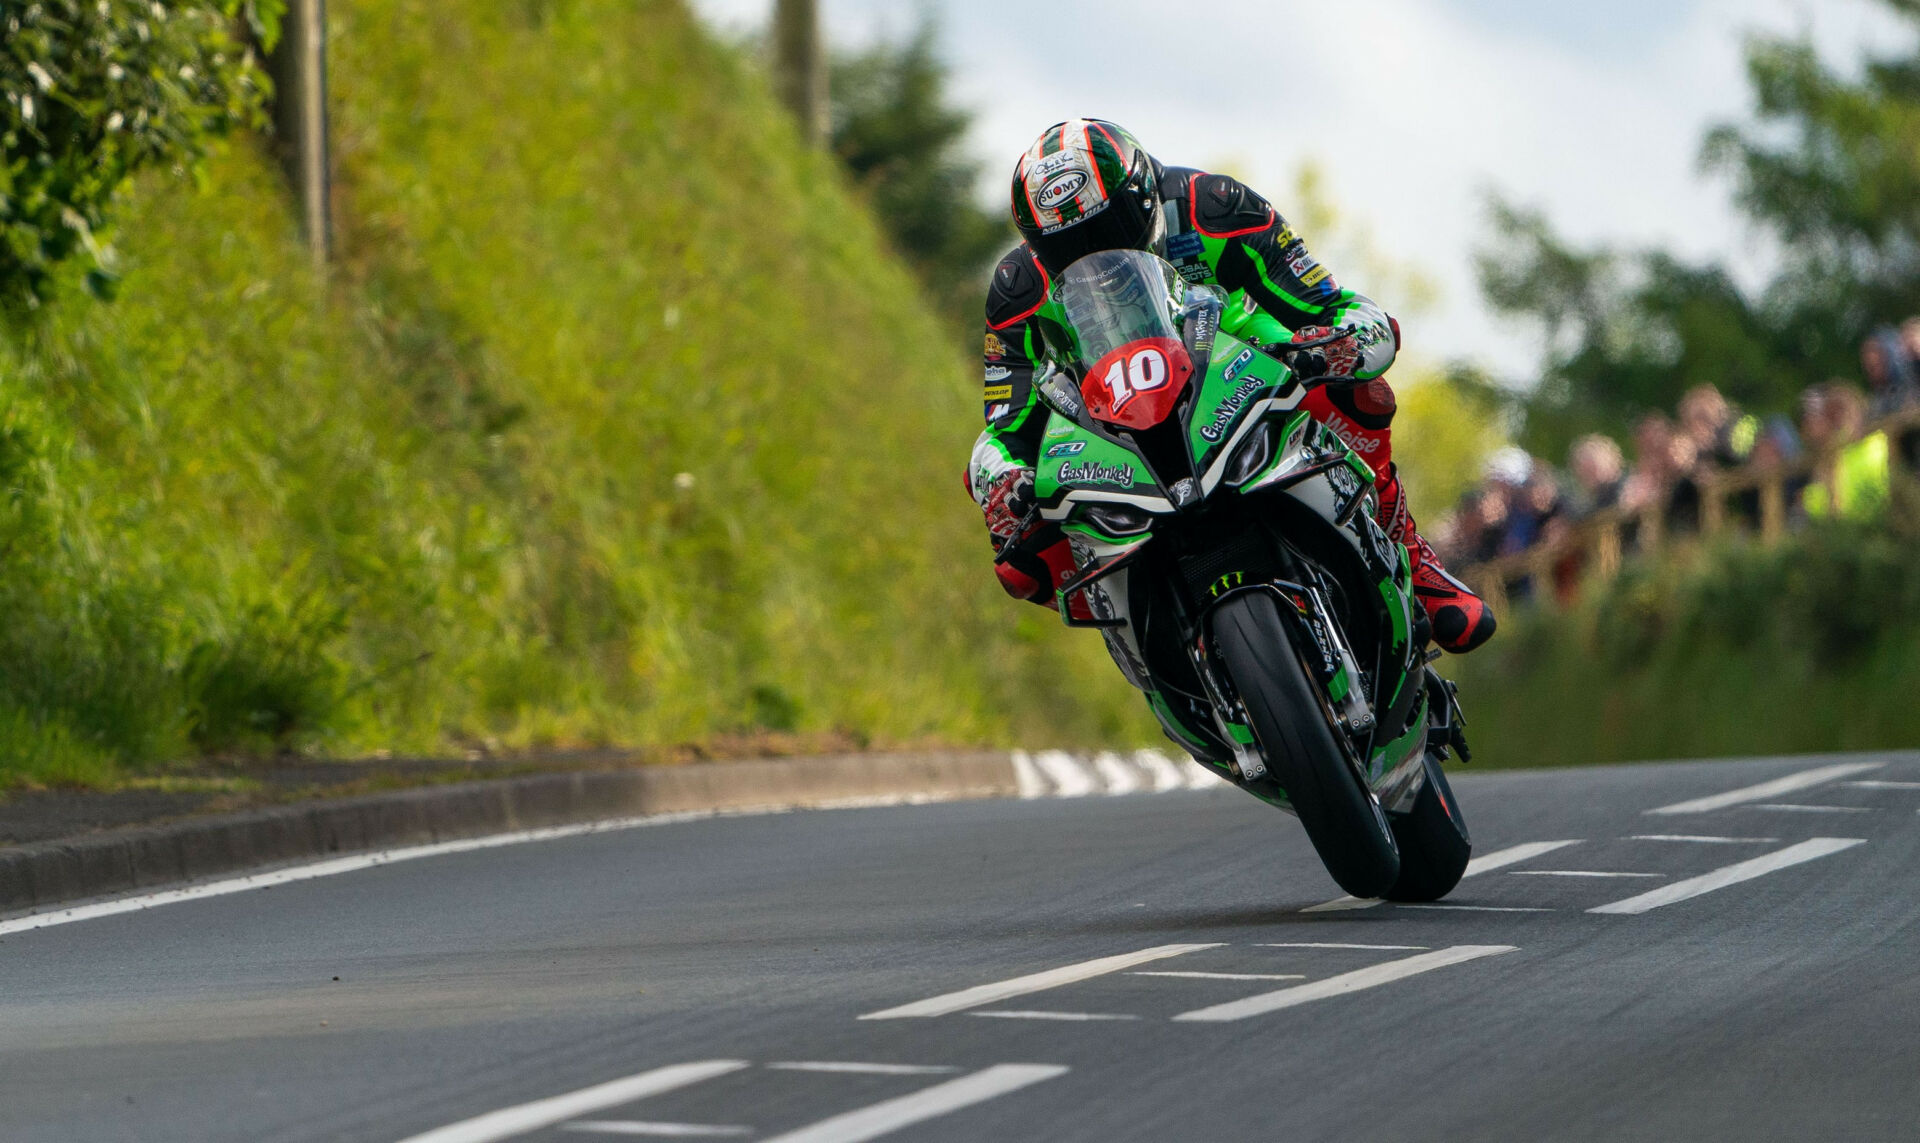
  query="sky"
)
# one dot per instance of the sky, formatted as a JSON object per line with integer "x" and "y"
{"x": 1414, "y": 110}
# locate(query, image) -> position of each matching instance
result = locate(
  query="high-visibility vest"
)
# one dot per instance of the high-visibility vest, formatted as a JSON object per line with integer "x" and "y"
{"x": 1861, "y": 477}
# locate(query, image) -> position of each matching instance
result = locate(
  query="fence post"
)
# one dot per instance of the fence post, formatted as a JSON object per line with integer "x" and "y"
{"x": 800, "y": 66}
{"x": 299, "y": 68}
{"x": 1773, "y": 507}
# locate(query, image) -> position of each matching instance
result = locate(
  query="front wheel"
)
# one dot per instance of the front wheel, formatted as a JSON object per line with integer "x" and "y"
{"x": 1434, "y": 843}
{"x": 1294, "y": 730}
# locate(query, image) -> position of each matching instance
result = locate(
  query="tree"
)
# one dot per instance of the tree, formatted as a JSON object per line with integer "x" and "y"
{"x": 902, "y": 142}
{"x": 93, "y": 90}
{"x": 1830, "y": 167}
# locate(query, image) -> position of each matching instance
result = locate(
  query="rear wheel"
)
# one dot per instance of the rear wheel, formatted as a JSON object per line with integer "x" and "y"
{"x": 1293, "y": 727}
{"x": 1434, "y": 843}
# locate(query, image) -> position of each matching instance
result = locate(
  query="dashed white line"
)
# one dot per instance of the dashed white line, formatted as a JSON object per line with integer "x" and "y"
{"x": 1343, "y": 984}
{"x": 511, "y": 1121}
{"x": 891, "y": 1115}
{"x": 1804, "y": 780}
{"x": 1703, "y": 840}
{"x": 1035, "y": 982}
{"x": 651, "y": 1129}
{"x": 1340, "y": 945}
{"x": 851, "y": 1068}
{"x": 1575, "y": 873}
{"x": 1498, "y": 859}
{"x": 1040, "y": 1014}
{"x": 1730, "y": 875}
{"x": 1883, "y": 785}
{"x": 1226, "y": 975}
{"x": 1785, "y": 807}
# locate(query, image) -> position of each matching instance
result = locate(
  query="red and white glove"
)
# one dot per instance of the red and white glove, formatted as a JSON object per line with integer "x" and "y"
{"x": 1007, "y": 502}
{"x": 1337, "y": 358}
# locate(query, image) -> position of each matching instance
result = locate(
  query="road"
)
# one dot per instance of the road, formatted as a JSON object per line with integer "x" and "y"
{"x": 1170, "y": 966}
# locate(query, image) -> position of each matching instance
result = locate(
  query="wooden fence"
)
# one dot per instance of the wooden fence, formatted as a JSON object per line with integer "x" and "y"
{"x": 1554, "y": 572}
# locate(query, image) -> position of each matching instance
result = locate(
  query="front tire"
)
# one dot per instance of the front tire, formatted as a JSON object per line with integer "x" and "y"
{"x": 1434, "y": 842}
{"x": 1293, "y": 727}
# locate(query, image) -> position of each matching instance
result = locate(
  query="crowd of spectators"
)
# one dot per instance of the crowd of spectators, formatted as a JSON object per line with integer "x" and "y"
{"x": 1524, "y": 500}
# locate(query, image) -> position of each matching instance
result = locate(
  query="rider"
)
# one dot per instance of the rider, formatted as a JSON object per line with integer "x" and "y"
{"x": 1087, "y": 185}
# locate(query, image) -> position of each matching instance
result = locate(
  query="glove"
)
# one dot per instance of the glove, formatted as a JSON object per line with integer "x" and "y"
{"x": 1007, "y": 502}
{"x": 1339, "y": 358}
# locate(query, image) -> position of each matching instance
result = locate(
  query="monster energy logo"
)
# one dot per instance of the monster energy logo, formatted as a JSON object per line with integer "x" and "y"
{"x": 1229, "y": 409}
{"x": 1093, "y": 472}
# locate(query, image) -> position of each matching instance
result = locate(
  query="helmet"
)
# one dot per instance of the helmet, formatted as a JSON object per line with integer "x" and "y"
{"x": 1085, "y": 185}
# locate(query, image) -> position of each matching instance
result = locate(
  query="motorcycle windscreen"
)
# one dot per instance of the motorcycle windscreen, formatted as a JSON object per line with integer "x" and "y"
{"x": 1139, "y": 383}
{"x": 1122, "y": 310}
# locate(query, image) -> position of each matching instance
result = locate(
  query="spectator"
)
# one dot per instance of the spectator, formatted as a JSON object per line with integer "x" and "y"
{"x": 1599, "y": 470}
{"x": 1853, "y": 475}
{"x": 1722, "y": 436}
{"x": 1887, "y": 364}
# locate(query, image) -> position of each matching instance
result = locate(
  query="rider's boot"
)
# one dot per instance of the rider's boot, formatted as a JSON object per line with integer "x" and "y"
{"x": 1461, "y": 620}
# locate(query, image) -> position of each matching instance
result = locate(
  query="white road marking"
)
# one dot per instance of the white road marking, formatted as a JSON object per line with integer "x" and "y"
{"x": 1883, "y": 785}
{"x": 1119, "y": 777}
{"x": 1343, "y": 984}
{"x": 1787, "y": 807}
{"x": 984, "y": 994}
{"x": 891, "y": 1115}
{"x": 1040, "y": 1014}
{"x": 333, "y": 867}
{"x": 1226, "y": 975}
{"x": 1575, "y": 873}
{"x": 1498, "y": 859}
{"x": 655, "y": 1130}
{"x": 837, "y": 1067}
{"x": 1166, "y": 773}
{"x": 1731, "y": 875}
{"x": 1804, "y": 780}
{"x": 511, "y": 1121}
{"x": 1703, "y": 840}
{"x": 1478, "y": 908}
{"x": 1336, "y": 945}
{"x": 1070, "y": 779}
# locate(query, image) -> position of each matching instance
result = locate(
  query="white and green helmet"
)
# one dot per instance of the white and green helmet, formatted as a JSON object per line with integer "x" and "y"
{"x": 1085, "y": 185}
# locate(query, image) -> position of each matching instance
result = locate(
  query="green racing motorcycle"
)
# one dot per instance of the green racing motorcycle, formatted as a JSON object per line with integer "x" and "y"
{"x": 1226, "y": 548}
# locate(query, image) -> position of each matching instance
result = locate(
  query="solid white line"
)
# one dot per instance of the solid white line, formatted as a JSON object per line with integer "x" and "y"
{"x": 1343, "y": 984}
{"x": 1575, "y": 873}
{"x": 1731, "y": 875}
{"x": 511, "y": 1121}
{"x": 1790, "y": 808}
{"x": 1804, "y": 780}
{"x": 1119, "y": 777}
{"x": 1333, "y": 945}
{"x": 1038, "y": 1014}
{"x": 1166, "y": 772}
{"x": 655, "y": 1130}
{"x": 837, "y": 1067}
{"x": 1036, "y": 982}
{"x": 891, "y": 1115}
{"x": 1070, "y": 779}
{"x": 1883, "y": 785}
{"x": 333, "y": 867}
{"x": 1498, "y": 859}
{"x": 1703, "y": 840}
{"x": 1226, "y": 975}
{"x": 1479, "y": 908}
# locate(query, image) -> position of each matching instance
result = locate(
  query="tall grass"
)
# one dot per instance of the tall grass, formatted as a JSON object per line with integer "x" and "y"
{"x": 615, "y": 425}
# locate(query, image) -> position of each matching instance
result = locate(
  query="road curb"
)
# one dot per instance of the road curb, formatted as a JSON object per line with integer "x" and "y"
{"x": 48, "y": 873}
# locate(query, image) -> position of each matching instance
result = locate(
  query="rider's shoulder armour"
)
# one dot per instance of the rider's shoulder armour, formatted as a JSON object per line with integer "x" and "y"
{"x": 1019, "y": 288}
{"x": 1222, "y": 206}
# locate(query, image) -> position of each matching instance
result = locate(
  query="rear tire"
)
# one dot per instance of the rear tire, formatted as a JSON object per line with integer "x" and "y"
{"x": 1341, "y": 816}
{"x": 1434, "y": 842}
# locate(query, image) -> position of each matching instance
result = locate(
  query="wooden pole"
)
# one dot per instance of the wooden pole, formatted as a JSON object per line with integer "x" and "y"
{"x": 299, "y": 67}
{"x": 800, "y": 66}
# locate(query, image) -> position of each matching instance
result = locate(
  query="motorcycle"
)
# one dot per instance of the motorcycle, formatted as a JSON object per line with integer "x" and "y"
{"x": 1226, "y": 548}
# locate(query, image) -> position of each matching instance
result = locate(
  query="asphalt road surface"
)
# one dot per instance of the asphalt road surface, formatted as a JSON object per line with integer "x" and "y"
{"x": 1694, "y": 951}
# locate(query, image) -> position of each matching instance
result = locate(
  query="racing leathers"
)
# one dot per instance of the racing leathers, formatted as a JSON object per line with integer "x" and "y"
{"x": 1217, "y": 232}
